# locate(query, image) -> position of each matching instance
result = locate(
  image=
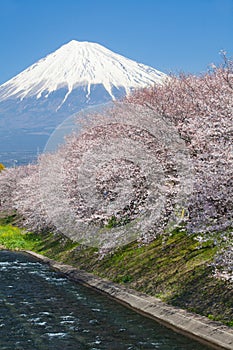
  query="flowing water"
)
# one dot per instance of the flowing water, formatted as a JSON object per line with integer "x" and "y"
{"x": 40, "y": 309}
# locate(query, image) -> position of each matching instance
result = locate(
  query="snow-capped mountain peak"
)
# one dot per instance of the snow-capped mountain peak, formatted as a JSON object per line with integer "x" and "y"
{"x": 77, "y": 76}
{"x": 78, "y": 64}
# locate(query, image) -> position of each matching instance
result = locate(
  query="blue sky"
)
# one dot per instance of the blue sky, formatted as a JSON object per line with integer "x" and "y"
{"x": 170, "y": 35}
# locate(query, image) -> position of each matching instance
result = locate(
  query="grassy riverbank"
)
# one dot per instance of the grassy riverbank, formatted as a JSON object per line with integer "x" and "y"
{"x": 176, "y": 268}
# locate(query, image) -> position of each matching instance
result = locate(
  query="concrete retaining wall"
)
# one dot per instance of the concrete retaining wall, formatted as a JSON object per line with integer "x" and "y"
{"x": 194, "y": 326}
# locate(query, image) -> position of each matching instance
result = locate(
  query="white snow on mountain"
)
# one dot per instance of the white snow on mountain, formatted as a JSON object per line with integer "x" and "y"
{"x": 80, "y": 64}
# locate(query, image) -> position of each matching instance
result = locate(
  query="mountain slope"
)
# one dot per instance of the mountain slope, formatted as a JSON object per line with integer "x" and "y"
{"x": 80, "y": 64}
{"x": 77, "y": 75}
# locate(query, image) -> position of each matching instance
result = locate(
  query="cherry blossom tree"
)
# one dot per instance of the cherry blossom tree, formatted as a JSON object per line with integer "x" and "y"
{"x": 125, "y": 166}
{"x": 28, "y": 202}
{"x": 9, "y": 180}
{"x": 201, "y": 109}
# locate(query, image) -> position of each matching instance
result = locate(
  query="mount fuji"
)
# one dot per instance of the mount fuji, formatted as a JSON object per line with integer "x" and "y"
{"x": 77, "y": 75}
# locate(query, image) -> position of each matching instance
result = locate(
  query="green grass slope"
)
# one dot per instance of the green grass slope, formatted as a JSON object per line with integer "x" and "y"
{"x": 176, "y": 268}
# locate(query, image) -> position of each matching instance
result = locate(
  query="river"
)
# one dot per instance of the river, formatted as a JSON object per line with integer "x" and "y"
{"x": 40, "y": 309}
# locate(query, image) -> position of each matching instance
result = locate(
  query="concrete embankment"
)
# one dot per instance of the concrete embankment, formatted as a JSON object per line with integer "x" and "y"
{"x": 197, "y": 327}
